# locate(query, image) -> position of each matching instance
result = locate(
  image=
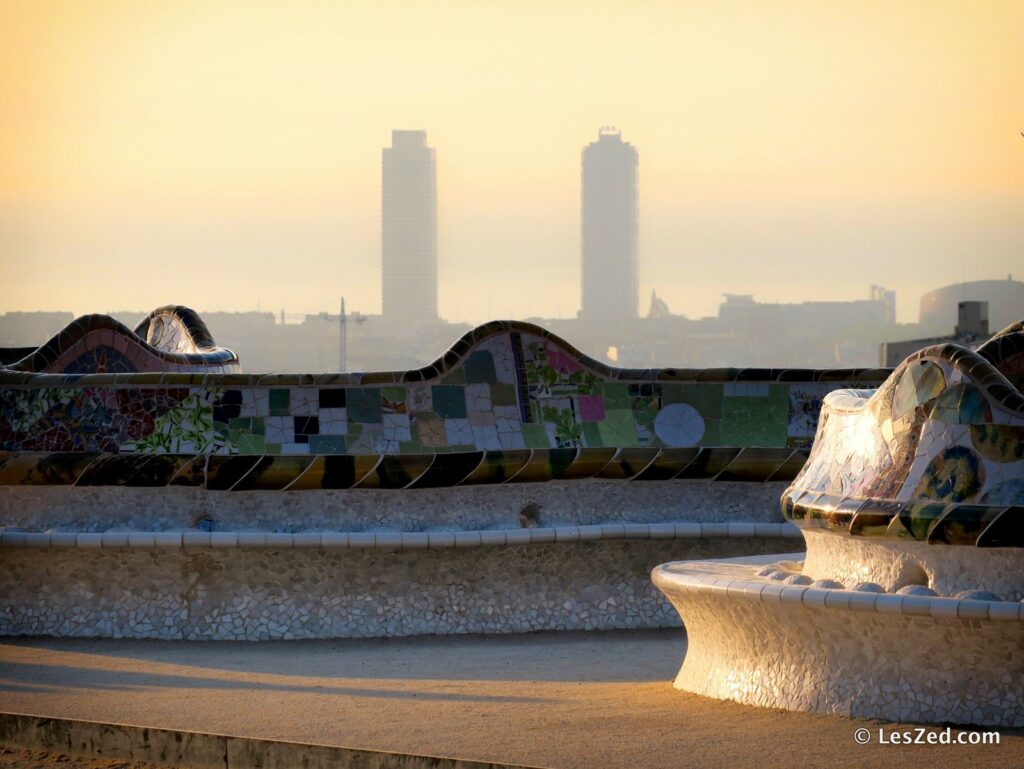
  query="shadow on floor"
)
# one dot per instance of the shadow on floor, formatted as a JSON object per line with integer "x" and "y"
{"x": 569, "y": 656}
{"x": 48, "y": 679}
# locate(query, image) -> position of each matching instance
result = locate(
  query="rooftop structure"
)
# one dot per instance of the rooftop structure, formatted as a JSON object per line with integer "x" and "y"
{"x": 971, "y": 331}
{"x": 1005, "y": 299}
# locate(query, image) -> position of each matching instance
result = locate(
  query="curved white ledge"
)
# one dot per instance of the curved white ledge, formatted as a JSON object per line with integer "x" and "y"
{"x": 394, "y": 539}
{"x": 870, "y": 655}
{"x": 697, "y": 577}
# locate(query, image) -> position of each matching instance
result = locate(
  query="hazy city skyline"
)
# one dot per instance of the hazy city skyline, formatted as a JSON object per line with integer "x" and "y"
{"x": 227, "y": 157}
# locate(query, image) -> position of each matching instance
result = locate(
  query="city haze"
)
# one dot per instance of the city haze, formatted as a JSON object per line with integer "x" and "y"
{"x": 228, "y": 156}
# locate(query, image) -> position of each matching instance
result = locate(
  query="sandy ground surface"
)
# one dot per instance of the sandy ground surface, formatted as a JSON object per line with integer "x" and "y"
{"x": 551, "y": 700}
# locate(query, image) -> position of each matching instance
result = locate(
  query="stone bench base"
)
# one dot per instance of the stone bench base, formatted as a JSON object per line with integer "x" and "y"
{"x": 870, "y": 655}
{"x": 138, "y": 588}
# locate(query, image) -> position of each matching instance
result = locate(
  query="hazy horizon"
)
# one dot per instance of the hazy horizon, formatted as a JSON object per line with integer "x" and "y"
{"x": 227, "y": 156}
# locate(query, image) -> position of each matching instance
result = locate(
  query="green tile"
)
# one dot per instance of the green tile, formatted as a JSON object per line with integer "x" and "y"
{"x": 644, "y": 410}
{"x": 618, "y": 428}
{"x": 280, "y": 403}
{"x": 449, "y": 401}
{"x": 480, "y": 368}
{"x": 504, "y": 394}
{"x": 690, "y": 394}
{"x": 251, "y": 444}
{"x": 592, "y": 434}
{"x": 327, "y": 444}
{"x": 536, "y": 437}
{"x": 756, "y": 421}
{"x": 616, "y": 395}
{"x": 364, "y": 405}
{"x": 711, "y": 401}
{"x": 712, "y": 433}
{"x": 242, "y": 424}
{"x": 393, "y": 393}
{"x": 458, "y": 376}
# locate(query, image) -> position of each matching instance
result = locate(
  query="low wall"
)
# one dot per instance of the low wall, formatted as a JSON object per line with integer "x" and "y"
{"x": 198, "y": 750}
{"x": 267, "y": 593}
{"x": 555, "y": 503}
{"x": 191, "y": 563}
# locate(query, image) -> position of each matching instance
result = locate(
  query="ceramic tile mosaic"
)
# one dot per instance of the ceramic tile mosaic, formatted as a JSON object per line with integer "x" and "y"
{"x": 897, "y": 478}
{"x": 936, "y": 454}
{"x": 170, "y": 338}
{"x": 504, "y": 387}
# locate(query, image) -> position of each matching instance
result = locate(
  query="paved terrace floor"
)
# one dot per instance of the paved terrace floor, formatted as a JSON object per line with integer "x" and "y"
{"x": 553, "y": 700}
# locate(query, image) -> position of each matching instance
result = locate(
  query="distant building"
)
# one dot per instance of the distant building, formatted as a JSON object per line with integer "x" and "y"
{"x": 810, "y": 319}
{"x": 972, "y": 331}
{"x": 1005, "y": 300}
{"x": 31, "y": 328}
{"x": 409, "y": 228}
{"x": 611, "y": 290}
{"x": 659, "y": 308}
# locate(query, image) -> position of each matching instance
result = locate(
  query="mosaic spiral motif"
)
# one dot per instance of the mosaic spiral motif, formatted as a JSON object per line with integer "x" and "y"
{"x": 935, "y": 454}
{"x": 508, "y": 401}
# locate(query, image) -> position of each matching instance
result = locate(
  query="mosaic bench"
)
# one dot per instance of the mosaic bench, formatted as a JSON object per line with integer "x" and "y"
{"x": 170, "y": 338}
{"x": 908, "y": 604}
{"x": 267, "y": 481}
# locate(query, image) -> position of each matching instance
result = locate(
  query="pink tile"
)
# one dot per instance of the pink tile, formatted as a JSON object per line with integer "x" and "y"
{"x": 562, "y": 362}
{"x": 591, "y": 408}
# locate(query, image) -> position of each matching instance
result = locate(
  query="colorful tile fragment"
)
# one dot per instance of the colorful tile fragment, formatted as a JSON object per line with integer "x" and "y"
{"x": 936, "y": 453}
{"x": 505, "y": 387}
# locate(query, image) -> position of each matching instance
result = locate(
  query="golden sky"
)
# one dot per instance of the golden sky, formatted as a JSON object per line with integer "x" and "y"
{"x": 226, "y": 155}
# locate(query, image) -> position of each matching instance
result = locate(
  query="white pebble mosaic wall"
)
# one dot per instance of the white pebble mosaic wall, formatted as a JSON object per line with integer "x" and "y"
{"x": 808, "y": 646}
{"x": 266, "y": 593}
{"x": 459, "y": 508}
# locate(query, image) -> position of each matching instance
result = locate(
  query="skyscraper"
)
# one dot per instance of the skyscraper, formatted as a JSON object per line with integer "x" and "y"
{"x": 611, "y": 288}
{"x": 409, "y": 228}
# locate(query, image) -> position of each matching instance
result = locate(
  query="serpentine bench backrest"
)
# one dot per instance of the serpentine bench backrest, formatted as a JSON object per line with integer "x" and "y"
{"x": 509, "y": 401}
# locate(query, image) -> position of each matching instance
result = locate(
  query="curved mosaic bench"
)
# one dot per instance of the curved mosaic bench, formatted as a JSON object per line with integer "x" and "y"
{"x": 170, "y": 338}
{"x": 511, "y": 437}
{"x": 908, "y": 604}
{"x": 818, "y": 648}
{"x": 508, "y": 402}
{"x": 933, "y": 458}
